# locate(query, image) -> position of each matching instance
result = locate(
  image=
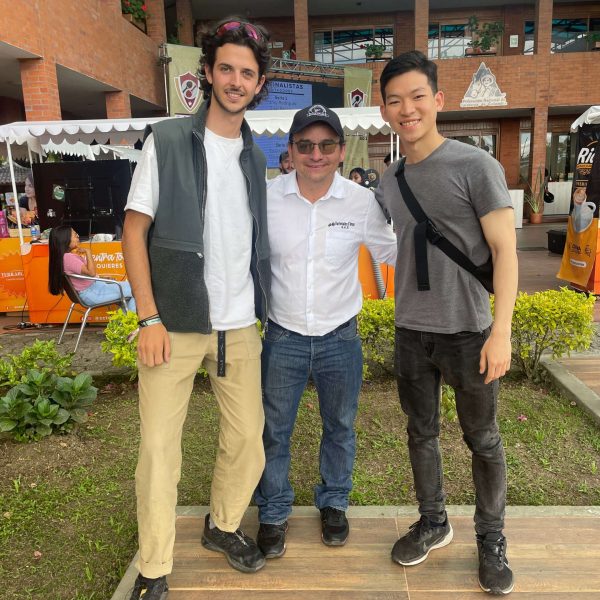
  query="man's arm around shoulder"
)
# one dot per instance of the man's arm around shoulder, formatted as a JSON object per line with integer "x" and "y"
{"x": 499, "y": 231}
{"x": 154, "y": 346}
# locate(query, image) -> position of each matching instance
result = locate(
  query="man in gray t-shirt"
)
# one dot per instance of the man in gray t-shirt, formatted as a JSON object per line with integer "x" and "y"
{"x": 446, "y": 331}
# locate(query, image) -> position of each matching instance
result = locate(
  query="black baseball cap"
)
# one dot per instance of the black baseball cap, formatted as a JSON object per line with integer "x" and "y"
{"x": 317, "y": 113}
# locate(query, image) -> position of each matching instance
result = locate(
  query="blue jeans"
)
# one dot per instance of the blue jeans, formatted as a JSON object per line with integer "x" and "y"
{"x": 421, "y": 359}
{"x": 335, "y": 362}
{"x": 100, "y": 292}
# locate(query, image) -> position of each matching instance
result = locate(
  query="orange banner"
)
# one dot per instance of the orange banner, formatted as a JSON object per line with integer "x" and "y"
{"x": 579, "y": 255}
{"x": 13, "y": 295}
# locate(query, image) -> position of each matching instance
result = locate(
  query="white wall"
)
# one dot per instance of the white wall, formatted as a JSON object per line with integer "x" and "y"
{"x": 562, "y": 198}
{"x": 517, "y": 199}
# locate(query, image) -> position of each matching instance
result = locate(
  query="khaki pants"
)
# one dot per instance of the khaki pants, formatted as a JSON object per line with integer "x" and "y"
{"x": 164, "y": 396}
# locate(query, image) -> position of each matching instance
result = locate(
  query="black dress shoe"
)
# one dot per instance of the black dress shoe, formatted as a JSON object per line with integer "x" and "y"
{"x": 334, "y": 526}
{"x": 241, "y": 551}
{"x": 271, "y": 539}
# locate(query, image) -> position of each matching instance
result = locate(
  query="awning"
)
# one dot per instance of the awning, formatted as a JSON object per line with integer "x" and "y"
{"x": 589, "y": 117}
{"x": 21, "y": 138}
{"x": 36, "y": 134}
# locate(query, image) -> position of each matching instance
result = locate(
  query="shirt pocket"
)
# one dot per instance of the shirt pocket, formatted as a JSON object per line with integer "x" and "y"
{"x": 340, "y": 246}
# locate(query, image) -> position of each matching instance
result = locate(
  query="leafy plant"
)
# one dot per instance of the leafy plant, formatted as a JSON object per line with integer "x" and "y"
{"x": 374, "y": 50}
{"x": 75, "y": 396}
{"x": 122, "y": 343}
{"x": 593, "y": 39}
{"x": 43, "y": 402}
{"x": 40, "y": 356}
{"x": 136, "y": 8}
{"x": 448, "y": 403}
{"x": 534, "y": 196}
{"x": 173, "y": 38}
{"x": 117, "y": 341}
{"x": 555, "y": 321}
{"x": 377, "y": 331}
{"x": 486, "y": 35}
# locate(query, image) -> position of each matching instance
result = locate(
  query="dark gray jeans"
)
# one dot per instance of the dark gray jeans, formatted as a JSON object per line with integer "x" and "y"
{"x": 421, "y": 359}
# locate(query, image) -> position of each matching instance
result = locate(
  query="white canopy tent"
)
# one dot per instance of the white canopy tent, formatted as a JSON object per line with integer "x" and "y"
{"x": 589, "y": 117}
{"x": 20, "y": 139}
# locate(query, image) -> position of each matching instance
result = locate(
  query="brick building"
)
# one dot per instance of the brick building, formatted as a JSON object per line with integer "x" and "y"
{"x": 83, "y": 59}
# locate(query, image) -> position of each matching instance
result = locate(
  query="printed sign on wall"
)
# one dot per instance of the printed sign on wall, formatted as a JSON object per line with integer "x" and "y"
{"x": 484, "y": 90}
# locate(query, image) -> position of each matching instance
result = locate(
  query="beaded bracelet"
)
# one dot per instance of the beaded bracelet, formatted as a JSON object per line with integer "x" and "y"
{"x": 153, "y": 320}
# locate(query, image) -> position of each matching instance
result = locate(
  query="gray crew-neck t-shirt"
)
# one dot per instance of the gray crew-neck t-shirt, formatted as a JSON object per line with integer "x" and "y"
{"x": 456, "y": 185}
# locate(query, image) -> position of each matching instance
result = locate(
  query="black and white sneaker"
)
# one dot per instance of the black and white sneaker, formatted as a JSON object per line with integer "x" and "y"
{"x": 422, "y": 537}
{"x": 150, "y": 589}
{"x": 495, "y": 575}
{"x": 241, "y": 551}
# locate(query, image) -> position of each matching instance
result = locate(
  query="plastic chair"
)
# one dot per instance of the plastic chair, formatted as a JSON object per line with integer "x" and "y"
{"x": 75, "y": 298}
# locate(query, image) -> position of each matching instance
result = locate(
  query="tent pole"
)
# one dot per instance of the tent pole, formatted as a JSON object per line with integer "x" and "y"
{"x": 392, "y": 145}
{"x": 30, "y": 157}
{"x": 14, "y": 187}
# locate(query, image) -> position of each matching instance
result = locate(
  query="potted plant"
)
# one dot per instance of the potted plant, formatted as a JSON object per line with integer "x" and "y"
{"x": 374, "y": 51}
{"x": 485, "y": 37}
{"x": 593, "y": 39}
{"x": 534, "y": 197}
{"x": 136, "y": 12}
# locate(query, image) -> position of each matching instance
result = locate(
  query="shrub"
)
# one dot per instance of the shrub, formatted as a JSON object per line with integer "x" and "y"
{"x": 41, "y": 356}
{"x": 118, "y": 342}
{"x": 44, "y": 402}
{"x": 122, "y": 343}
{"x": 557, "y": 321}
{"x": 376, "y": 329}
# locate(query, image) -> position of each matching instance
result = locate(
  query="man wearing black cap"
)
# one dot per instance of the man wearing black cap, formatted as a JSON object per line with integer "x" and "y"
{"x": 317, "y": 221}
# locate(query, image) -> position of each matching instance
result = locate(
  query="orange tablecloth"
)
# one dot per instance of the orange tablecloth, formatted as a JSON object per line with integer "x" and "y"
{"x": 24, "y": 279}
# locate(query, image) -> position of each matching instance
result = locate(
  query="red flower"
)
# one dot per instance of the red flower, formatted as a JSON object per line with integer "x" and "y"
{"x": 144, "y": 8}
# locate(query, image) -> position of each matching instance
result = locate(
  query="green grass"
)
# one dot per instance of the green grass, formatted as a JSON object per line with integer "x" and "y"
{"x": 67, "y": 503}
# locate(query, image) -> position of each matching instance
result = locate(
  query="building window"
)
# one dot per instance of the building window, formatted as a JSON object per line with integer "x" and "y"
{"x": 568, "y": 35}
{"x": 529, "y": 38}
{"x": 560, "y": 155}
{"x": 348, "y": 46}
{"x": 524, "y": 155}
{"x": 447, "y": 40}
{"x": 486, "y": 142}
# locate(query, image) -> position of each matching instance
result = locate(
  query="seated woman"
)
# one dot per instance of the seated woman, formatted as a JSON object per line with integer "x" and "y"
{"x": 67, "y": 257}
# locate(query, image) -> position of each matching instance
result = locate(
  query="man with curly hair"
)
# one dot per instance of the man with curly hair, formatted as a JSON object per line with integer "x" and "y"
{"x": 197, "y": 255}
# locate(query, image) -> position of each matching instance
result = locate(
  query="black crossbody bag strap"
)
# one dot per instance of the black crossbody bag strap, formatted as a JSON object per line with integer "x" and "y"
{"x": 425, "y": 230}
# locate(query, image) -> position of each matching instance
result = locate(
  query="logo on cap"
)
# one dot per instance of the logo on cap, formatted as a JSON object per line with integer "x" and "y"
{"x": 318, "y": 110}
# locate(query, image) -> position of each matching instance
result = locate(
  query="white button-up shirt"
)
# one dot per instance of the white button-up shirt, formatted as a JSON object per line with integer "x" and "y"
{"x": 314, "y": 252}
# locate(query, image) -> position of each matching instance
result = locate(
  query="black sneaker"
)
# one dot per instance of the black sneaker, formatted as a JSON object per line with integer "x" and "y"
{"x": 495, "y": 576}
{"x": 334, "y": 526}
{"x": 150, "y": 589}
{"x": 271, "y": 539}
{"x": 422, "y": 537}
{"x": 241, "y": 551}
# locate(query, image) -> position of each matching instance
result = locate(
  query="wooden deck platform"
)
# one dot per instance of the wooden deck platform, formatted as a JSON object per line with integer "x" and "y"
{"x": 554, "y": 552}
{"x": 586, "y": 369}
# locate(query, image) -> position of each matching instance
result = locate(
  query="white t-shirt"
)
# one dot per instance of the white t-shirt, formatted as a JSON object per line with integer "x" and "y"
{"x": 227, "y": 227}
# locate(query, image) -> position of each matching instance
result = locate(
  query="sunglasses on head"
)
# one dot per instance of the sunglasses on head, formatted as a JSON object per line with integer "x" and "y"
{"x": 250, "y": 30}
{"x": 307, "y": 147}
